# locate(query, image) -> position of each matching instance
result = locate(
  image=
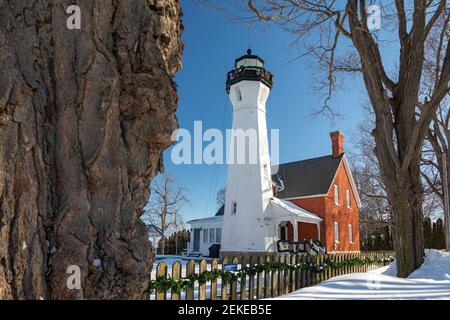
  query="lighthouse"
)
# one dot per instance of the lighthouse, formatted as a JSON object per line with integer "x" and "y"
{"x": 266, "y": 214}
{"x": 246, "y": 224}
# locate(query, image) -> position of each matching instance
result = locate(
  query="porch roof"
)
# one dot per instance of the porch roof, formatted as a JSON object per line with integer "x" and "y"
{"x": 284, "y": 209}
{"x": 208, "y": 219}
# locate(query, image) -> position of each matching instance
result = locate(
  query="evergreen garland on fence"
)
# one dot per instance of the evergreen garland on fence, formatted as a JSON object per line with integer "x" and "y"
{"x": 166, "y": 283}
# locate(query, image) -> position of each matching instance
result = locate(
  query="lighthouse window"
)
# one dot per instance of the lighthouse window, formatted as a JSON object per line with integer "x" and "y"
{"x": 233, "y": 207}
{"x": 266, "y": 172}
{"x": 238, "y": 94}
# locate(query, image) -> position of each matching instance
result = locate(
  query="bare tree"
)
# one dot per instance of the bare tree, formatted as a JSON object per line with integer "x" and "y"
{"x": 436, "y": 155}
{"x": 84, "y": 118}
{"x": 220, "y": 197}
{"x": 376, "y": 212}
{"x": 402, "y": 115}
{"x": 166, "y": 201}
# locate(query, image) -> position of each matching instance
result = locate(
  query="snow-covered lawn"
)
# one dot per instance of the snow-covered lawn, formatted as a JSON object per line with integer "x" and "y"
{"x": 430, "y": 281}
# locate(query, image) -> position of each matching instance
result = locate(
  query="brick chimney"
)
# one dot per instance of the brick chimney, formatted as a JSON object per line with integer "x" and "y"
{"x": 337, "y": 143}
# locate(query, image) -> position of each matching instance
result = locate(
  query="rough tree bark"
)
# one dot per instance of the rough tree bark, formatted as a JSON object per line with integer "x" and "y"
{"x": 84, "y": 117}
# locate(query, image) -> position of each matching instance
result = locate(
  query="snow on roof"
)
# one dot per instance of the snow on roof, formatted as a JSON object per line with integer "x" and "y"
{"x": 214, "y": 218}
{"x": 282, "y": 207}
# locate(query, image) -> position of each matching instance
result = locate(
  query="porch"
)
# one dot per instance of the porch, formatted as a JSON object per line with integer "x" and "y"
{"x": 294, "y": 223}
{"x": 296, "y": 230}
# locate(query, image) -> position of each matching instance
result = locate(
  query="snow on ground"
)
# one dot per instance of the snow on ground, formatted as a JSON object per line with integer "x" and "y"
{"x": 430, "y": 281}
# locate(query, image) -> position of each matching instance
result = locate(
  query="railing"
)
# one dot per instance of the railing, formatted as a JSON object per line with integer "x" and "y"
{"x": 300, "y": 247}
{"x": 249, "y": 73}
{"x": 256, "y": 277}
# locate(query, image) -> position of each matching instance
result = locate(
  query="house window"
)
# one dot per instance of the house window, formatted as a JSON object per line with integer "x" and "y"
{"x": 233, "y": 207}
{"x": 336, "y": 194}
{"x": 350, "y": 233}
{"x": 347, "y": 195}
{"x": 205, "y": 235}
{"x": 218, "y": 235}
{"x": 211, "y": 235}
{"x": 336, "y": 231}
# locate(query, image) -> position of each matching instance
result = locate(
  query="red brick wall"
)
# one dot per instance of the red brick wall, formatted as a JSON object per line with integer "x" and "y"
{"x": 330, "y": 212}
{"x": 316, "y": 205}
{"x": 307, "y": 231}
{"x": 337, "y": 143}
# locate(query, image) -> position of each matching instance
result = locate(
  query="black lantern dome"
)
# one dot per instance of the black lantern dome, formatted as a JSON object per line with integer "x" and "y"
{"x": 249, "y": 67}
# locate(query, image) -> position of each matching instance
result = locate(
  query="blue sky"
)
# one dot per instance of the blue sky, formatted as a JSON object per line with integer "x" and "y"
{"x": 212, "y": 42}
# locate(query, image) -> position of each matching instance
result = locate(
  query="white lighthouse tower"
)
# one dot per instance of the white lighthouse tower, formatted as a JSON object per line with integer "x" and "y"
{"x": 253, "y": 216}
{"x": 246, "y": 224}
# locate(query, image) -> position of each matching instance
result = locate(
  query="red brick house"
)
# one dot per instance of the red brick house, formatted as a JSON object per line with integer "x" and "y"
{"x": 326, "y": 187}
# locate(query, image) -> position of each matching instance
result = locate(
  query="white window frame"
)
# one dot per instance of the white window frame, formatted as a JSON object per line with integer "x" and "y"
{"x": 336, "y": 232}
{"x": 350, "y": 233}
{"x": 212, "y": 235}
{"x": 336, "y": 194}
{"x": 218, "y": 235}
{"x": 348, "y": 198}
{"x": 205, "y": 235}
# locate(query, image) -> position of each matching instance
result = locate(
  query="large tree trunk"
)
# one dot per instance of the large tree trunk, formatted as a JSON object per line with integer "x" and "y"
{"x": 404, "y": 190}
{"x": 398, "y": 133}
{"x": 446, "y": 196}
{"x": 84, "y": 117}
{"x": 408, "y": 222}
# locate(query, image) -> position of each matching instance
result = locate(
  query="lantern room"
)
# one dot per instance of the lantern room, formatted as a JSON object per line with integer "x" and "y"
{"x": 249, "y": 67}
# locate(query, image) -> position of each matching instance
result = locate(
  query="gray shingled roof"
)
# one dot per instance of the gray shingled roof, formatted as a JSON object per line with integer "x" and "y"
{"x": 307, "y": 177}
